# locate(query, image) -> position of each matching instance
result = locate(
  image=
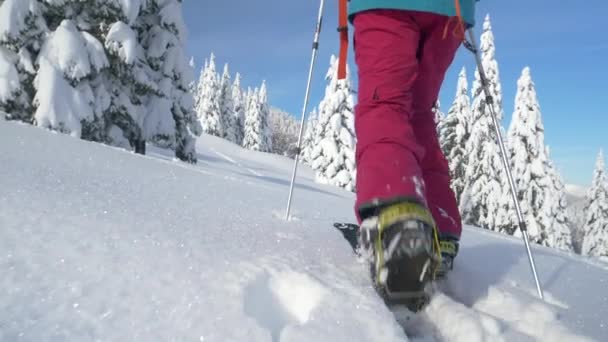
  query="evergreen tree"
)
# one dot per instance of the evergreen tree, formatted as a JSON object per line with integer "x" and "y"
{"x": 257, "y": 131}
{"x": 285, "y": 130}
{"x": 67, "y": 61}
{"x": 22, "y": 32}
{"x": 209, "y": 109}
{"x": 454, "y": 133}
{"x": 595, "y": 242}
{"x": 309, "y": 137}
{"x": 198, "y": 89}
{"x": 107, "y": 71}
{"x": 540, "y": 189}
{"x": 264, "y": 108}
{"x": 333, "y": 158}
{"x": 486, "y": 189}
{"x": 239, "y": 103}
{"x": 557, "y": 219}
{"x": 227, "y": 107}
{"x": 170, "y": 120}
{"x": 252, "y": 138}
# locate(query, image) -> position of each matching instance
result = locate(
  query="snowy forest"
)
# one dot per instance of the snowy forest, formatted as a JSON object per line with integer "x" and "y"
{"x": 469, "y": 143}
{"x": 117, "y": 72}
{"x": 105, "y": 71}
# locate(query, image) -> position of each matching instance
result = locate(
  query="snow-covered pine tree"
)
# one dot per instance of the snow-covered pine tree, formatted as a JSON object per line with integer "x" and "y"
{"x": 595, "y": 242}
{"x": 251, "y": 136}
{"x": 239, "y": 103}
{"x": 91, "y": 20}
{"x": 285, "y": 129}
{"x": 109, "y": 57}
{"x": 170, "y": 119}
{"x": 576, "y": 215}
{"x": 309, "y": 137}
{"x": 228, "y": 118}
{"x": 557, "y": 218}
{"x": 439, "y": 115}
{"x": 22, "y": 31}
{"x": 454, "y": 133}
{"x": 124, "y": 86}
{"x": 541, "y": 191}
{"x": 64, "y": 99}
{"x": 198, "y": 89}
{"x": 486, "y": 189}
{"x": 266, "y": 144}
{"x": 209, "y": 111}
{"x": 333, "y": 158}
{"x": 257, "y": 131}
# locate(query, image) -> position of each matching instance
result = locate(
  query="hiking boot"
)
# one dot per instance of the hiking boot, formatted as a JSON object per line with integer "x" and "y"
{"x": 402, "y": 245}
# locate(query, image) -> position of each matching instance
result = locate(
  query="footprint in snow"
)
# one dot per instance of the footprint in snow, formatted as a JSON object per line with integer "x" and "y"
{"x": 277, "y": 300}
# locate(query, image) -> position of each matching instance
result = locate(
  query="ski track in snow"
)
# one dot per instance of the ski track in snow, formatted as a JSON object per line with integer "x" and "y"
{"x": 255, "y": 173}
{"x": 121, "y": 247}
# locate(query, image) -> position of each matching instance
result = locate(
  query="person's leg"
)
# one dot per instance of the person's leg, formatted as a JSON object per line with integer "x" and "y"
{"x": 397, "y": 232}
{"x": 386, "y": 45}
{"x": 436, "y": 54}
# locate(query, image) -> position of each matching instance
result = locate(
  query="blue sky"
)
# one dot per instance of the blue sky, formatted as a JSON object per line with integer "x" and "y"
{"x": 563, "y": 42}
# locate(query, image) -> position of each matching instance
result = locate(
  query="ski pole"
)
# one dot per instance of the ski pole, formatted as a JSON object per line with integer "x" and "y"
{"x": 315, "y": 49}
{"x": 471, "y": 46}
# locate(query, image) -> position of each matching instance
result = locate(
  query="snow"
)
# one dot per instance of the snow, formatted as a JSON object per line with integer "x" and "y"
{"x": 101, "y": 244}
{"x": 122, "y": 40}
{"x": 65, "y": 115}
{"x": 16, "y": 17}
{"x": 9, "y": 78}
{"x": 576, "y": 191}
{"x": 171, "y": 15}
{"x": 97, "y": 55}
{"x": 131, "y": 9}
{"x": 68, "y": 49}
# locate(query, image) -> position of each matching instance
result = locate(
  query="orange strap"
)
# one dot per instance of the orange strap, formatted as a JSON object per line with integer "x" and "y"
{"x": 461, "y": 25}
{"x": 460, "y": 29}
{"x": 343, "y": 29}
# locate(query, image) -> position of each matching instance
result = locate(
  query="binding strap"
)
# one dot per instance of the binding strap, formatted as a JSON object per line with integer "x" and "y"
{"x": 343, "y": 30}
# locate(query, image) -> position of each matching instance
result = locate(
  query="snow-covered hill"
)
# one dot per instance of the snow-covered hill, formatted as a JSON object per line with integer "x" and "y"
{"x": 576, "y": 191}
{"x": 98, "y": 244}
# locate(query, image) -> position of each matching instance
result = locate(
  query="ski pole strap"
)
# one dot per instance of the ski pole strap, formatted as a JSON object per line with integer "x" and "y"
{"x": 343, "y": 30}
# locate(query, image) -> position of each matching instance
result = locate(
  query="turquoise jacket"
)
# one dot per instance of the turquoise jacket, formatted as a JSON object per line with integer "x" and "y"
{"x": 445, "y": 7}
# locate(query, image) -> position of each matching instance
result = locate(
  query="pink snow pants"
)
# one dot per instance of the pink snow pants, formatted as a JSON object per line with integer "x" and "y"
{"x": 402, "y": 58}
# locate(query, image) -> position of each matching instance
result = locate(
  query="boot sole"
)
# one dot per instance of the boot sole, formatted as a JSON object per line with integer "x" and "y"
{"x": 409, "y": 268}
